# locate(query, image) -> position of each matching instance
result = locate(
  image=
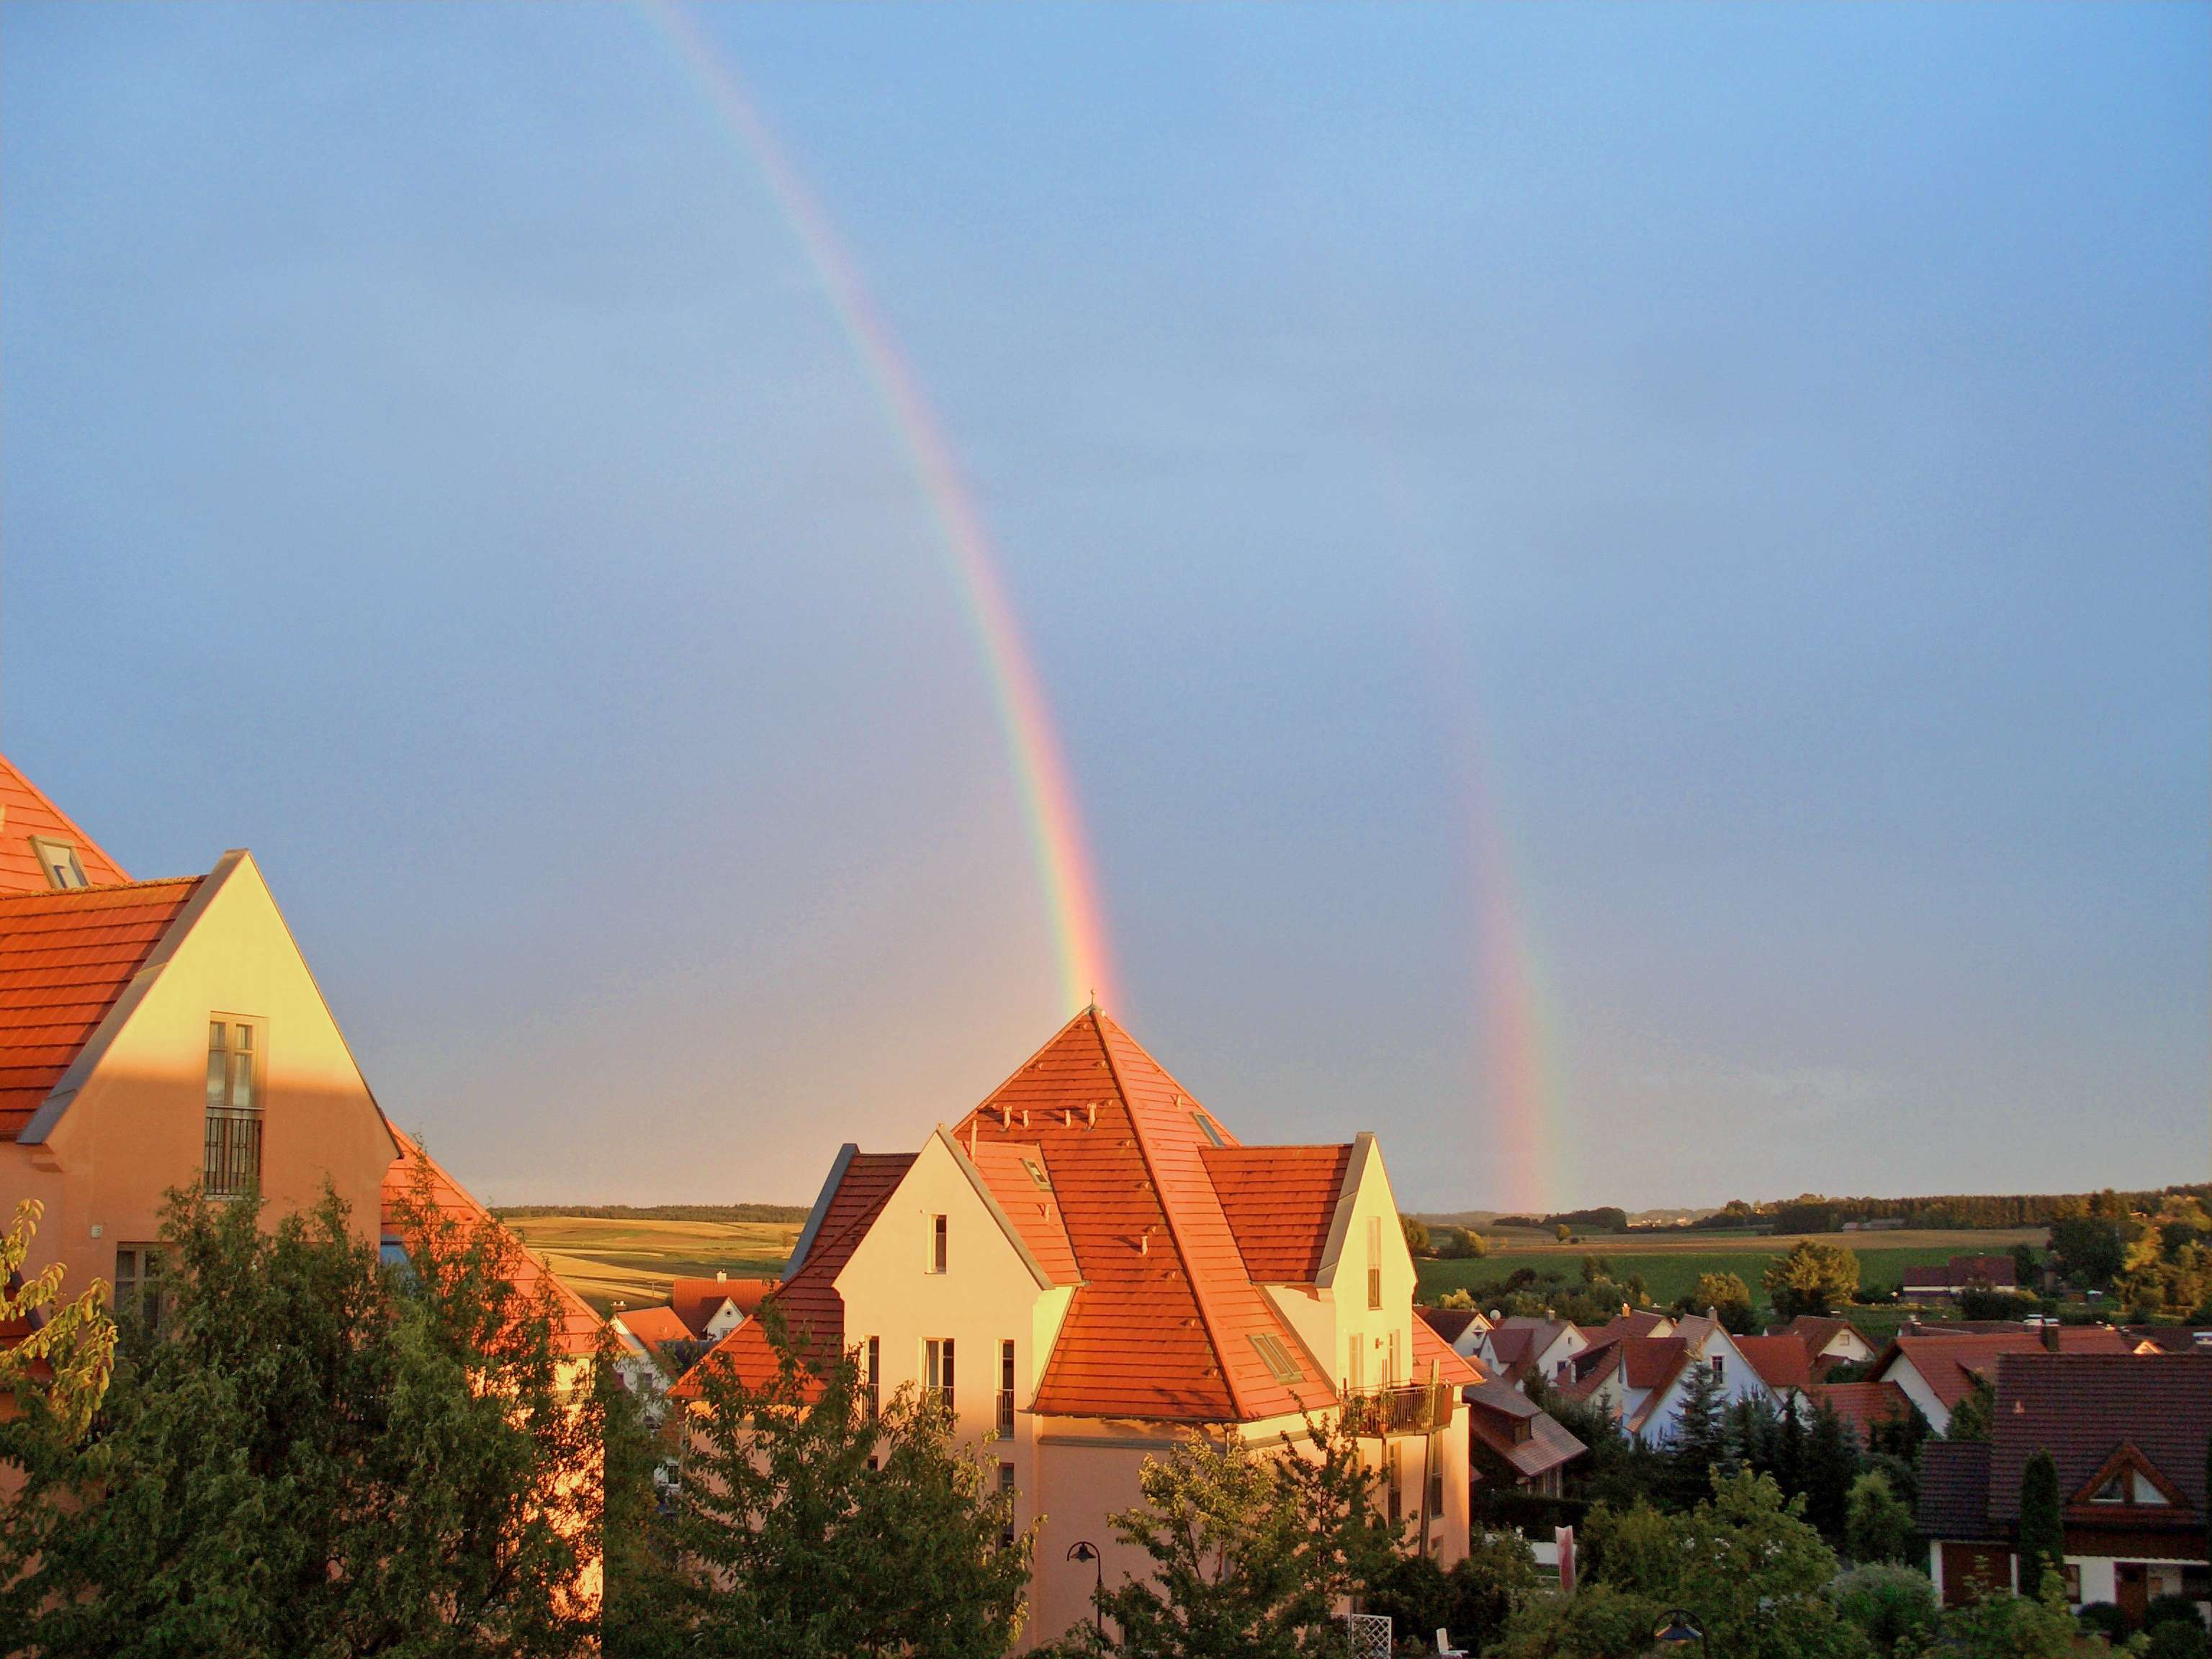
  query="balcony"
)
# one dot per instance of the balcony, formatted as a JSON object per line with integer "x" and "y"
{"x": 1412, "y": 1408}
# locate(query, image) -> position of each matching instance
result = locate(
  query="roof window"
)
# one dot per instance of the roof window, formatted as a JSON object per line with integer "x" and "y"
{"x": 58, "y": 859}
{"x": 1037, "y": 1174}
{"x": 1206, "y": 1126}
{"x": 1278, "y": 1358}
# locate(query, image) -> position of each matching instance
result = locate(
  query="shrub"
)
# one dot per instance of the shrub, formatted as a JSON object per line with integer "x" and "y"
{"x": 2102, "y": 1618}
{"x": 2177, "y": 1639}
{"x": 1895, "y": 1607}
{"x": 2172, "y": 1607}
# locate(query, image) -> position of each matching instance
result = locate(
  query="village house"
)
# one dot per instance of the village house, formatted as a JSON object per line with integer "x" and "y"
{"x": 1936, "y": 1371}
{"x": 1835, "y": 1341}
{"x": 712, "y": 1308}
{"x": 1949, "y": 1281}
{"x": 1642, "y": 1381}
{"x": 2128, "y": 1433}
{"x": 1463, "y": 1329}
{"x": 1515, "y": 1445}
{"x": 1522, "y": 1346}
{"x": 1090, "y": 1267}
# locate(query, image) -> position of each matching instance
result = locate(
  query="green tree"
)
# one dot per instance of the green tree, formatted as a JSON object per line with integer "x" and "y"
{"x": 1832, "y": 1463}
{"x": 1812, "y": 1278}
{"x": 2004, "y": 1626}
{"x": 1971, "y": 1417}
{"x": 1894, "y": 1607}
{"x": 2092, "y": 1249}
{"x": 1417, "y": 1234}
{"x": 1877, "y": 1525}
{"x": 314, "y": 1454}
{"x": 1726, "y": 1295}
{"x": 1473, "y": 1601}
{"x": 74, "y": 1341}
{"x": 1252, "y": 1550}
{"x": 2042, "y": 1524}
{"x": 1699, "y": 1443}
{"x": 810, "y": 1529}
{"x": 1598, "y": 1621}
{"x": 647, "y": 1594}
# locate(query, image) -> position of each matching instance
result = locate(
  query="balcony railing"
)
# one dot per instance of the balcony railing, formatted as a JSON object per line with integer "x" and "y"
{"x": 1412, "y": 1408}
{"x": 232, "y": 1165}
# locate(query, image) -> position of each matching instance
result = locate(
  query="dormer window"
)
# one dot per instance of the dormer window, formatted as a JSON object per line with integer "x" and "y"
{"x": 59, "y": 860}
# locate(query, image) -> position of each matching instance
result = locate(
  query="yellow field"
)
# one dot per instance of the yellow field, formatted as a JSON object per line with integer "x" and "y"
{"x": 632, "y": 1260}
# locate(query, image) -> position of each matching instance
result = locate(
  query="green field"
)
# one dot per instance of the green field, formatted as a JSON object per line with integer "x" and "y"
{"x": 631, "y": 1260}
{"x": 1670, "y": 1265}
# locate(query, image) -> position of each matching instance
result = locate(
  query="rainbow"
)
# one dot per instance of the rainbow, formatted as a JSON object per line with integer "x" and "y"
{"x": 1070, "y": 887}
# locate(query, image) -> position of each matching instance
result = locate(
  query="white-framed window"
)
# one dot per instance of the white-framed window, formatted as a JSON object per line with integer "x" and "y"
{"x": 1374, "y": 1261}
{"x": 937, "y": 1244}
{"x": 59, "y": 860}
{"x": 937, "y": 1369}
{"x": 1720, "y": 1368}
{"x": 138, "y": 1284}
{"x": 1394, "y": 1361}
{"x": 231, "y": 1162}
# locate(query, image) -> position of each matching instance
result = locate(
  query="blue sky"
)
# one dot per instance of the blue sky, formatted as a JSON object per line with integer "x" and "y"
{"x": 1751, "y": 465}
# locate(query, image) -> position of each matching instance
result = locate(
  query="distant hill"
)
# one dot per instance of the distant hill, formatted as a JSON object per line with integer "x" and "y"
{"x": 786, "y": 1212}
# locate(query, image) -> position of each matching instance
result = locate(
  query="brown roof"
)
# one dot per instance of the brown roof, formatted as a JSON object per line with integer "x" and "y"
{"x": 1950, "y": 1363}
{"x": 1650, "y": 1362}
{"x": 2081, "y": 1408}
{"x": 65, "y": 957}
{"x": 1637, "y": 1321}
{"x": 1494, "y": 1408}
{"x": 25, "y": 811}
{"x": 1280, "y": 1202}
{"x": 1816, "y": 1331}
{"x": 1782, "y": 1361}
{"x": 1954, "y": 1489}
{"x": 578, "y": 1333}
{"x": 1863, "y": 1405}
{"x": 1999, "y": 1272}
{"x": 1449, "y": 1324}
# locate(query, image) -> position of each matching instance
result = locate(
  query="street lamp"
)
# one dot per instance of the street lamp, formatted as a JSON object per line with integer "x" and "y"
{"x": 1084, "y": 1550}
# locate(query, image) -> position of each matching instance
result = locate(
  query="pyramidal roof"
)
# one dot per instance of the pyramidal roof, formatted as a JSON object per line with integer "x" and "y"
{"x": 25, "y": 811}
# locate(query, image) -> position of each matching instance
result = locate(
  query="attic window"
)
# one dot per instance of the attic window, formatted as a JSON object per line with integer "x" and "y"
{"x": 2116, "y": 1490}
{"x": 1206, "y": 1126}
{"x": 1037, "y": 1174}
{"x": 58, "y": 859}
{"x": 1276, "y": 1355}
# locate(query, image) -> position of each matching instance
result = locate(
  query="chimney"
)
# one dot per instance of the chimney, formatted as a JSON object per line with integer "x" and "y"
{"x": 721, "y": 1276}
{"x": 2051, "y": 1334}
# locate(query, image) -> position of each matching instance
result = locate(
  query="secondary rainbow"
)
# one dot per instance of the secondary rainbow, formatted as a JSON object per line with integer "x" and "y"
{"x": 1082, "y": 957}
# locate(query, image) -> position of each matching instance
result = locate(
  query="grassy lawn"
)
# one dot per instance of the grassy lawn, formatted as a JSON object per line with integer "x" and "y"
{"x": 633, "y": 1260}
{"x": 1670, "y": 1265}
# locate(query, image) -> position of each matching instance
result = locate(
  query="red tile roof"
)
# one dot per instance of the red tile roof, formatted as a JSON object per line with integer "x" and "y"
{"x": 695, "y": 1301}
{"x": 1948, "y": 1363}
{"x": 1650, "y": 1362}
{"x": 1816, "y": 1331}
{"x": 64, "y": 958}
{"x": 1430, "y": 1349}
{"x": 2082, "y": 1408}
{"x": 1782, "y": 1361}
{"x": 1863, "y": 1405}
{"x": 25, "y": 811}
{"x": 1280, "y": 1202}
{"x": 655, "y": 1326}
{"x": 1020, "y": 1177}
{"x": 579, "y": 1331}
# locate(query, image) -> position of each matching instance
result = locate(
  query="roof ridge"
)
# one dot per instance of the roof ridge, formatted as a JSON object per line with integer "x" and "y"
{"x": 1199, "y": 1295}
{"x": 98, "y": 887}
{"x": 1035, "y": 1055}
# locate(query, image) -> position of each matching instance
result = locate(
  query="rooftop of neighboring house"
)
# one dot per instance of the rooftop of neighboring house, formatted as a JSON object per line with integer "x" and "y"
{"x": 1163, "y": 1223}
{"x": 1999, "y": 1272}
{"x": 655, "y": 1326}
{"x": 1817, "y": 1331}
{"x": 1949, "y": 1364}
{"x": 1449, "y": 1324}
{"x": 1505, "y": 1422}
{"x": 2127, "y": 1433}
{"x": 576, "y": 1330}
{"x": 1861, "y": 1405}
{"x": 697, "y": 1301}
{"x": 1629, "y": 1322}
{"x": 2167, "y": 1339}
{"x": 35, "y": 834}
{"x": 1779, "y": 1362}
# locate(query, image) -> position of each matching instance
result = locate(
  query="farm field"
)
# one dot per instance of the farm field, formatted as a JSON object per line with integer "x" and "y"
{"x": 1670, "y": 1266}
{"x": 632, "y": 1259}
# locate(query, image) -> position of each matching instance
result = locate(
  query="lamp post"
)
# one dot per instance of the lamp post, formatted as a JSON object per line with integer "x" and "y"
{"x": 1084, "y": 1550}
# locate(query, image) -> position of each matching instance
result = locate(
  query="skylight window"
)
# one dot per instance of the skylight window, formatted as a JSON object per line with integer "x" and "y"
{"x": 59, "y": 860}
{"x": 1276, "y": 1355}
{"x": 1206, "y": 1126}
{"x": 1037, "y": 1174}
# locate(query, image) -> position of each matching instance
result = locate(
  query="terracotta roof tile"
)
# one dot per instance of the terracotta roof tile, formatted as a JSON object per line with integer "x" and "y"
{"x": 1781, "y": 1362}
{"x": 1493, "y": 1410}
{"x": 1863, "y": 1405}
{"x": 64, "y": 958}
{"x": 2083, "y": 1407}
{"x": 1950, "y": 1363}
{"x": 1431, "y": 1349}
{"x": 1020, "y": 1177}
{"x": 655, "y": 1326}
{"x": 1954, "y": 1489}
{"x": 1280, "y": 1202}
{"x": 25, "y": 811}
{"x": 579, "y": 1331}
{"x": 695, "y": 1301}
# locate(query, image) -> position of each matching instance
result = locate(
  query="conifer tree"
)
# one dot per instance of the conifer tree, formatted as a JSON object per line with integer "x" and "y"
{"x": 1700, "y": 1440}
{"x": 2042, "y": 1524}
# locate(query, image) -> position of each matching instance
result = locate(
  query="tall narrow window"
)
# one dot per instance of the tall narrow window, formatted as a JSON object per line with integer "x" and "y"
{"x": 1436, "y": 1485}
{"x": 59, "y": 861}
{"x": 1374, "y": 1261}
{"x": 1394, "y": 1371}
{"x": 138, "y": 1284}
{"x": 1355, "y": 1367}
{"x": 1720, "y": 1369}
{"x": 1397, "y": 1461}
{"x": 231, "y": 1166}
{"x": 1007, "y": 1498}
{"x": 1006, "y": 1391}
{"x": 937, "y": 1243}
{"x": 937, "y": 1370}
{"x": 875, "y": 1377}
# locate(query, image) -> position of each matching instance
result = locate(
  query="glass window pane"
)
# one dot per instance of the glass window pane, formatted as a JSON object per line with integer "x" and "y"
{"x": 245, "y": 1038}
{"x": 242, "y": 1083}
{"x": 218, "y": 1070}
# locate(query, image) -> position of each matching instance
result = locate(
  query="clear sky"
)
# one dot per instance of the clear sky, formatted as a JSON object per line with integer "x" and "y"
{"x": 1624, "y": 590}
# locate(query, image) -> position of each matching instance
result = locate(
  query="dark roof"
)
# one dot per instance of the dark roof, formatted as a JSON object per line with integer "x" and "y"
{"x": 2080, "y": 1407}
{"x": 1494, "y": 1408}
{"x": 1449, "y": 1324}
{"x": 1954, "y": 1489}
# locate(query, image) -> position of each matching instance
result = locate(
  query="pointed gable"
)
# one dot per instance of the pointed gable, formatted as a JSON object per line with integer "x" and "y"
{"x": 66, "y": 959}
{"x": 26, "y": 812}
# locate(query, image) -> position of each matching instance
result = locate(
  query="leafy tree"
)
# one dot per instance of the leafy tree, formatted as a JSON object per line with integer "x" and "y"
{"x": 1900, "y": 1435}
{"x": 2042, "y": 1524}
{"x": 2004, "y": 1626}
{"x": 2092, "y": 1249}
{"x": 1971, "y": 1417}
{"x": 1877, "y": 1525}
{"x": 647, "y": 1598}
{"x": 1417, "y": 1234}
{"x": 1598, "y": 1621}
{"x": 1811, "y": 1279}
{"x": 1251, "y": 1550}
{"x": 314, "y": 1454}
{"x": 810, "y": 1529}
{"x": 1616, "y": 1468}
{"x": 1473, "y": 1601}
{"x": 2178, "y": 1638}
{"x": 1894, "y": 1606}
{"x": 1726, "y": 1295}
{"x": 73, "y": 1342}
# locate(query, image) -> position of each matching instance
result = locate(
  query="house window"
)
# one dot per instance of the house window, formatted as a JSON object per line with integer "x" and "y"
{"x": 1374, "y": 1261}
{"x": 1038, "y": 1176}
{"x": 1276, "y": 1357}
{"x": 232, "y": 1165}
{"x": 937, "y": 1370}
{"x": 937, "y": 1244}
{"x": 1206, "y": 1126}
{"x": 1396, "y": 1460}
{"x": 58, "y": 859}
{"x": 1006, "y": 1391}
{"x": 1355, "y": 1368}
{"x": 1007, "y": 1498}
{"x": 1720, "y": 1369}
{"x": 1436, "y": 1484}
{"x": 1394, "y": 1373}
{"x": 138, "y": 1284}
{"x": 872, "y": 1377}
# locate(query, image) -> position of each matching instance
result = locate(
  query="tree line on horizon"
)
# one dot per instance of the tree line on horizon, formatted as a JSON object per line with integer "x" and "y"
{"x": 1816, "y": 1212}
